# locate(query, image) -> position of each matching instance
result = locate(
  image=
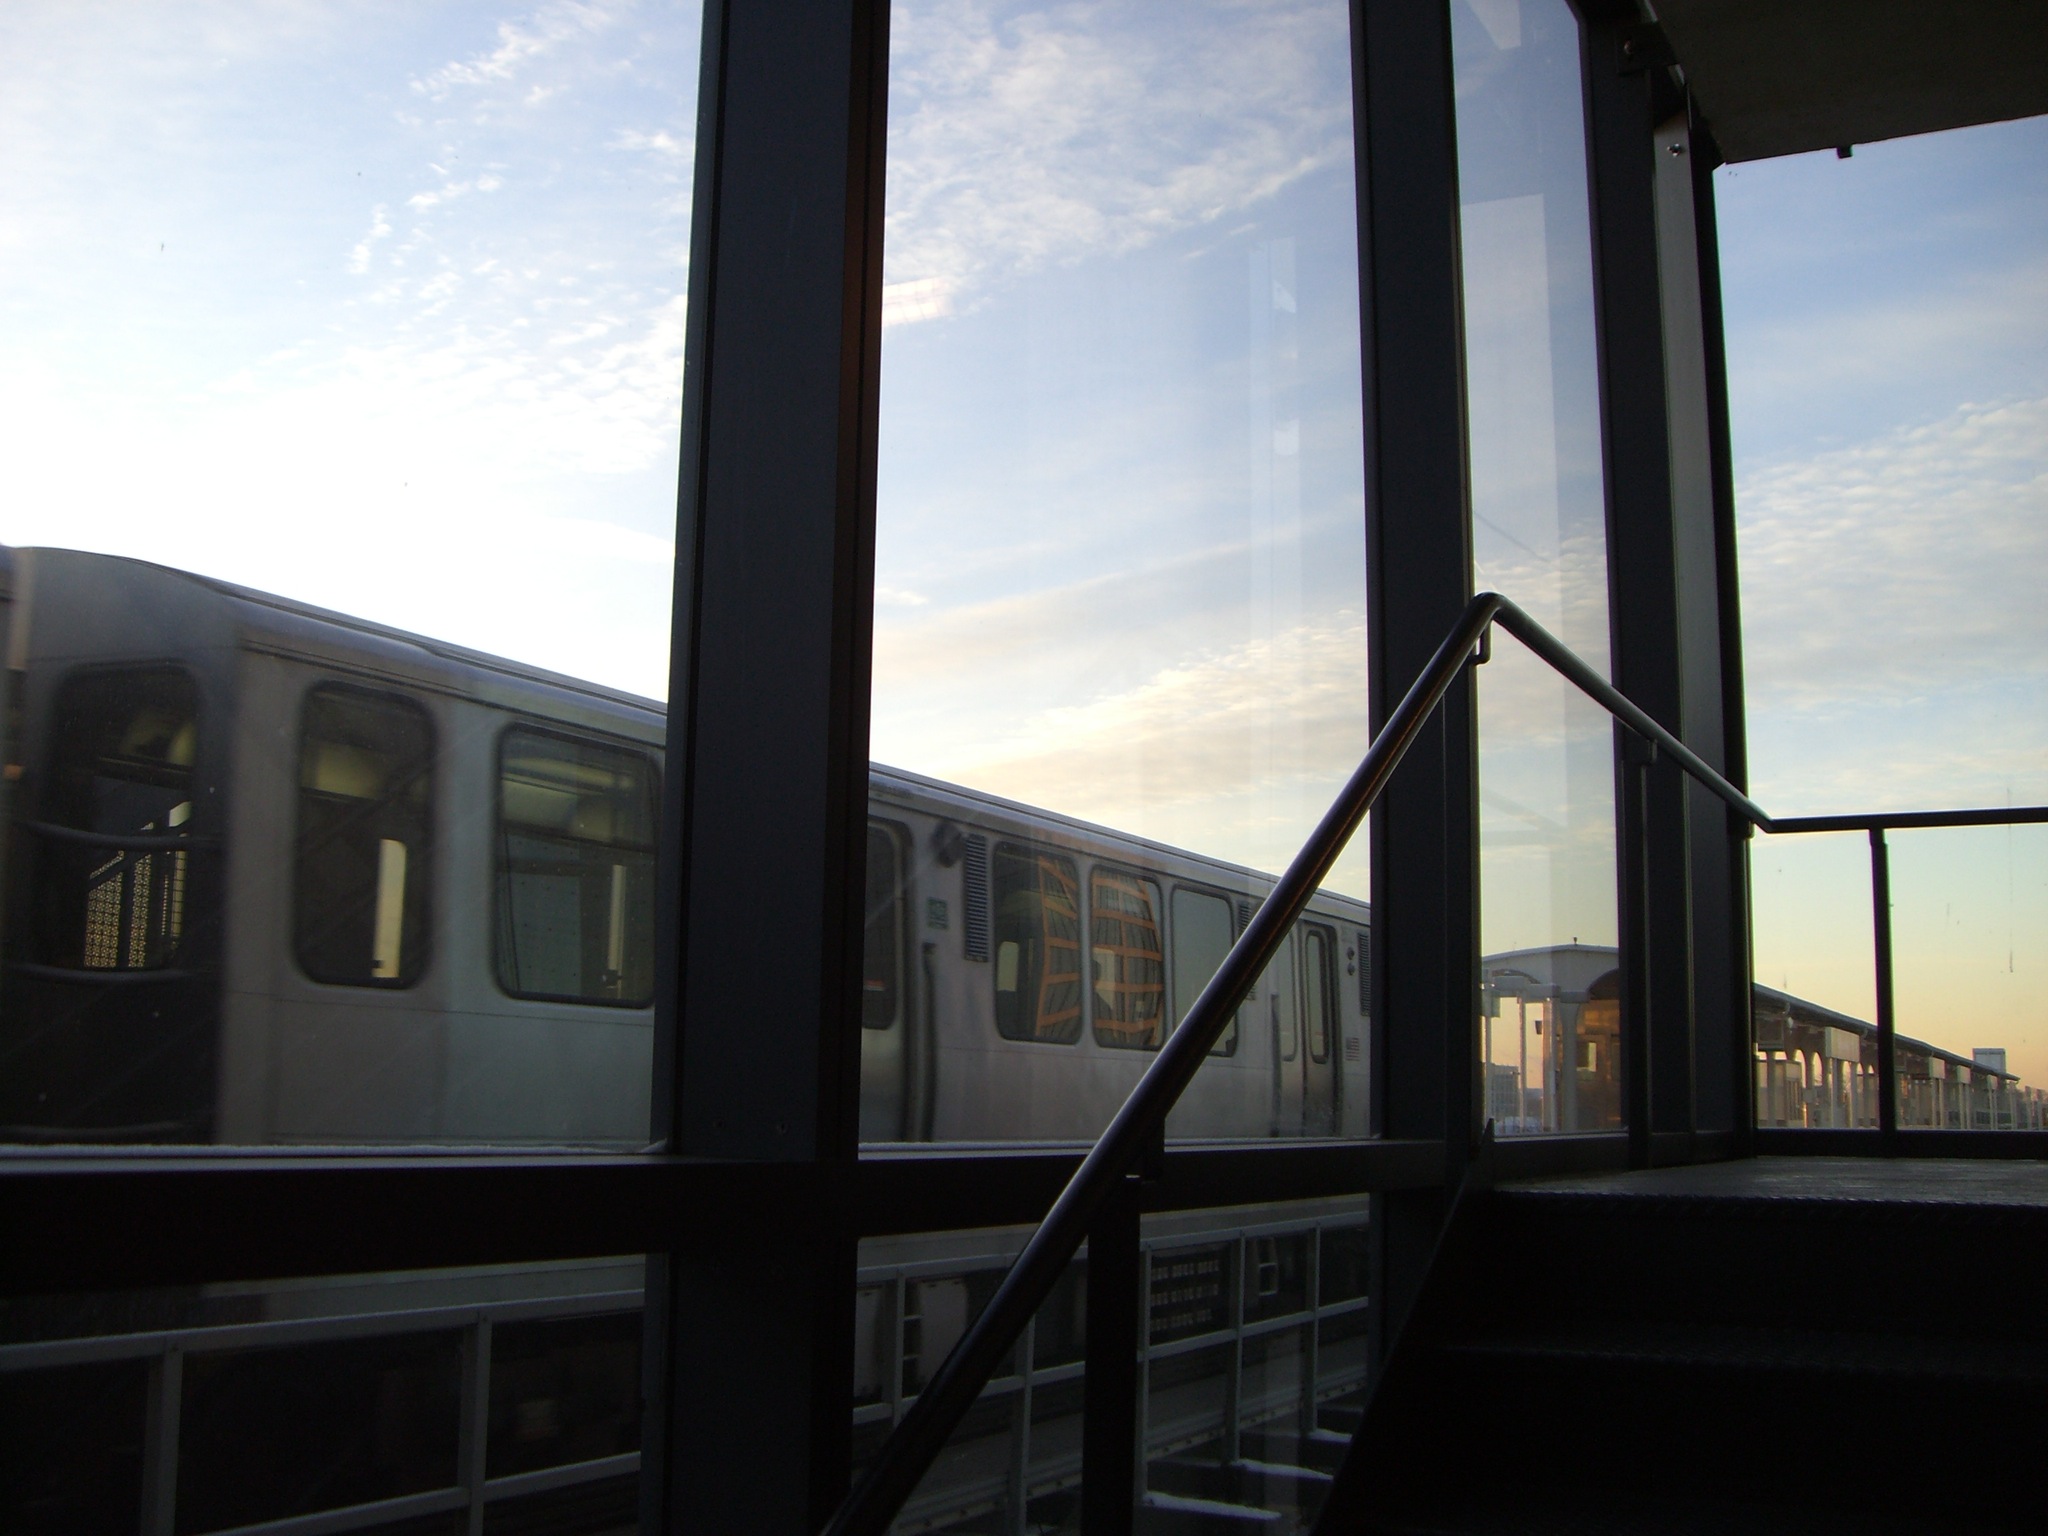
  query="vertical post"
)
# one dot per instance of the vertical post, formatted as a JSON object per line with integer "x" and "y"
{"x": 473, "y": 1439}
{"x": 1638, "y": 1017}
{"x": 1887, "y": 1022}
{"x": 1014, "y": 1519}
{"x": 160, "y": 1443}
{"x": 757, "y": 1044}
{"x": 1109, "y": 1391}
{"x": 1233, "y": 1391}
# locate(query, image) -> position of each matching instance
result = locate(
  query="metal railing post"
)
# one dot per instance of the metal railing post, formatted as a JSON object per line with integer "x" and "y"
{"x": 1887, "y": 1021}
{"x": 160, "y": 1442}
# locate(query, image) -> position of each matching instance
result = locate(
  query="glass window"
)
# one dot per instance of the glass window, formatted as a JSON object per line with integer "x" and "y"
{"x": 121, "y": 756}
{"x": 576, "y": 827}
{"x": 881, "y": 995}
{"x": 1539, "y": 505}
{"x": 1128, "y": 957}
{"x": 1037, "y": 945}
{"x": 1202, "y": 935}
{"x": 1120, "y": 320}
{"x": 1317, "y": 989}
{"x": 362, "y": 870}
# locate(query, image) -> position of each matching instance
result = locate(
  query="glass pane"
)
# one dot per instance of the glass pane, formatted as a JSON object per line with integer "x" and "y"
{"x": 1014, "y": 1463}
{"x": 1815, "y": 965}
{"x": 1546, "y": 771}
{"x": 1120, "y": 544}
{"x": 1970, "y": 972}
{"x": 1887, "y": 356}
{"x": 1888, "y": 401}
{"x": 1254, "y": 1374}
{"x": 575, "y": 891}
{"x": 507, "y": 1393}
{"x": 341, "y": 355}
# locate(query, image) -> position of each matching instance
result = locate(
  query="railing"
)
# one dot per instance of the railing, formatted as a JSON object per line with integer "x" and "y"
{"x": 922, "y": 1433}
{"x": 1881, "y": 916}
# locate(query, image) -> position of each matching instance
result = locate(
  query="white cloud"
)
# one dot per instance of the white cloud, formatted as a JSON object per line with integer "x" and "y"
{"x": 1896, "y": 647}
{"x": 519, "y": 45}
{"x": 1021, "y": 137}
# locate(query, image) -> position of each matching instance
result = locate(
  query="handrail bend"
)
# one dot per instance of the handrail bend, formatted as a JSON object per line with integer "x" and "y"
{"x": 921, "y": 1434}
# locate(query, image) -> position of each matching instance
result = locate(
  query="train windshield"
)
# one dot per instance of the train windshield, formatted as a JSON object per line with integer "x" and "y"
{"x": 575, "y": 880}
{"x": 122, "y": 750}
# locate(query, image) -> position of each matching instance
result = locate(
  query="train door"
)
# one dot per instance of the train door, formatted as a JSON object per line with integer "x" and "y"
{"x": 1317, "y": 948}
{"x": 884, "y": 999}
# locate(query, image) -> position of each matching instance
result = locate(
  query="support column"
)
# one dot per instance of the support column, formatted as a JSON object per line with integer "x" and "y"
{"x": 750, "y": 1330}
{"x": 1418, "y": 577}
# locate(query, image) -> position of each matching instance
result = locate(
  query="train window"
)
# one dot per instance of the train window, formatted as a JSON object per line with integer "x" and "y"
{"x": 359, "y": 901}
{"x": 1037, "y": 945}
{"x": 1128, "y": 959}
{"x": 575, "y": 879}
{"x": 881, "y": 987}
{"x": 122, "y": 749}
{"x": 1318, "y": 989}
{"x": 1203, "y": 932}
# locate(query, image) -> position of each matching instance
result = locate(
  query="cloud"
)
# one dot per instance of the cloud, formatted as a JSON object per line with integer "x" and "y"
{"x": 380, "y": 226}
{"x": 519, "y": 45}
{"x": 1901, "y": 567}
{"x": 1896, "y": 648}
{"x": 1025, "y": 137}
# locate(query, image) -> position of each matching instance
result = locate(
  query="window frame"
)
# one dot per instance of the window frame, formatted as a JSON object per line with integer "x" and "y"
{"x": 652, "y": 759}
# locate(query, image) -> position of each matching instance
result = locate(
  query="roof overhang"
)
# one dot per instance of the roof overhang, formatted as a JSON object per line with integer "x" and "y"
{"x": 1779, "y": 77}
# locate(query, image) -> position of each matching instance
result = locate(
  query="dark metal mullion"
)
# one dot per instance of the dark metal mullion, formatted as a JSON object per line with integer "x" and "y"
{"x": 1887, "y": 1019}
{"x": 1424, "y": 847}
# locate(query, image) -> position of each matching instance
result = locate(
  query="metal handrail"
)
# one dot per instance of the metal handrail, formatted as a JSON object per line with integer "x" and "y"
{"x": 917, "y": 1440}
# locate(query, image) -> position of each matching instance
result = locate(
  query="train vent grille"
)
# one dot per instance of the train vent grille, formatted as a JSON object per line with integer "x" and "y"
{"x": 1245, "y": 908}
{"x": 1365, "y": 971}
{"x": 974, "y": 896}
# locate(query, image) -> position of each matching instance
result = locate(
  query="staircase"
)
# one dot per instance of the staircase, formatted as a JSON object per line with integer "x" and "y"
{"x": 1813, "y": 1345}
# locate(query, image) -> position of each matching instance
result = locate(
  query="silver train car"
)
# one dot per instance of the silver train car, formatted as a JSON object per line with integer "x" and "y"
{"x": 274, "y": 875}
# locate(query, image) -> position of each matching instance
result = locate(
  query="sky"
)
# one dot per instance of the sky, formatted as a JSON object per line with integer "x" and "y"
{"x": 380, "y": 306}
{"x": 1887, "y": 329}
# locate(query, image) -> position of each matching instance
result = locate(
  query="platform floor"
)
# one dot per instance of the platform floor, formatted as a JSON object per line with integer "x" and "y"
{"x": 1933, "y": 1181}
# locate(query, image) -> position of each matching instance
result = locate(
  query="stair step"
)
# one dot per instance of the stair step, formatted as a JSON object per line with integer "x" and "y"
{"x": 1173, "y": 1514}
{"x": 1804, "y": 1351}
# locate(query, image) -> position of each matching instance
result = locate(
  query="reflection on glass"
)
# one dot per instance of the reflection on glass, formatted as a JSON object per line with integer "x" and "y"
{"x": 1120, "y": 540}
{"x": 1969, "y": 939}
{"x": 326, "y": 331}
{"x": 1252, "y": 1340}
{"x": 1546, "y": 775}
{"x": 509, "y": 1395}
{"x": 1254, "y": 1367}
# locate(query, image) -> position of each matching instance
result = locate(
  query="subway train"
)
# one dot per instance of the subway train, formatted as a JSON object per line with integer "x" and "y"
{"x": 274, "y": 875}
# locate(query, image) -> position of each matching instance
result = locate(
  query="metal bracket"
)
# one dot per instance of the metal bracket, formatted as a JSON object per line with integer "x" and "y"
{"x": 1644, "y": 47}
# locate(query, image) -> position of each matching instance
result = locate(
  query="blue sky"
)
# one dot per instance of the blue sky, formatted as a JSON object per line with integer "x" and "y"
{"x": 1887, "y": 322}
{"x": 342, "y": 301}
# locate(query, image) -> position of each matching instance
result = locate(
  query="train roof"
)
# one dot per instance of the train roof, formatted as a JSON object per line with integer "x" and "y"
{"x": 946, "y": 790}
{"x": 444, "y": 650}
